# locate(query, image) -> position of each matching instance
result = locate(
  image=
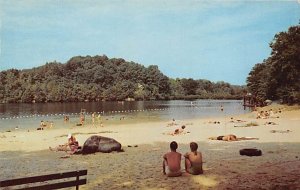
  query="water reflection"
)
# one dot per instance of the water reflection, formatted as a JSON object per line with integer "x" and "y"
{"x": 12, "y": 115}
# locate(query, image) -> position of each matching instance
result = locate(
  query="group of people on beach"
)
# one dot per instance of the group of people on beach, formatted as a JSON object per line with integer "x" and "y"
{"x": 172, "y": 161}
{"x": 95, "y": 119}
{"x": 267, "y": 114}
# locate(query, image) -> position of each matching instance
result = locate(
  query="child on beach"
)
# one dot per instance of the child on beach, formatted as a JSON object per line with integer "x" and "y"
{"x": 193, "y": 160}
{"x": 172, "y": 161}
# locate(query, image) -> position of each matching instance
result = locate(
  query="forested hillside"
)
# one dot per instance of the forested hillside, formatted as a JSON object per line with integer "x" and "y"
{"x": 99, "y": 78}
{"x": 278, "y": 77}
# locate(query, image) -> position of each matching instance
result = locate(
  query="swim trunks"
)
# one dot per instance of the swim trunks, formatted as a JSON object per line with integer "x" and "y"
{"x": 220, "y": 138}
{"x": 172, "y": 173}
{"x": 196, "y": 169}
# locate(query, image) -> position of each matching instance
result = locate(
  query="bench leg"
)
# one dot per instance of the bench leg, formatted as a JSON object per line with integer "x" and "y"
{"x": 77, "y": 179}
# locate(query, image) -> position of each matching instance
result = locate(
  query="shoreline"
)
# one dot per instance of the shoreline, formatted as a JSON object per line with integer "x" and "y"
{"x": 26, "y": 154}
{"x": 199, "y": 130}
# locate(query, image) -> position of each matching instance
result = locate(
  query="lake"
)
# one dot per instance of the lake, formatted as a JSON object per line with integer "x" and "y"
{"x": 30, "y": 115}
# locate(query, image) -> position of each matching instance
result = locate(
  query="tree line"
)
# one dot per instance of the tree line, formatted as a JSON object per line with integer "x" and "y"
{"x": 99, "y": 78}
{"x": 278, "y": 76}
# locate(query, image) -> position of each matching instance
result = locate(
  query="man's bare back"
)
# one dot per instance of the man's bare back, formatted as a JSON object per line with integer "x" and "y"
{"x": 171, "y": 163}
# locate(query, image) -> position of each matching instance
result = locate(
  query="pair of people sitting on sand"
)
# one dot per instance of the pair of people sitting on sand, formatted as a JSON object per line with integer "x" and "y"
{"x": 231, "y": 137}
{"x": 172, "y": 161}
{"x": 72, "y": 145}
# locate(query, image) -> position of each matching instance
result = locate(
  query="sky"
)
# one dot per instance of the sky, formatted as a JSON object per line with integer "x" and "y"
{"x": 213, "y": 40}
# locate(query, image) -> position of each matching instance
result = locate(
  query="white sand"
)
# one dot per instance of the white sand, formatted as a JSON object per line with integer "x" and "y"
{"x": 140, "y": 168}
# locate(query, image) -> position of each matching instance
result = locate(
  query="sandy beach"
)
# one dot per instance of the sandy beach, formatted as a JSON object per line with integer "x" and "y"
{"x": 26, "y": 153}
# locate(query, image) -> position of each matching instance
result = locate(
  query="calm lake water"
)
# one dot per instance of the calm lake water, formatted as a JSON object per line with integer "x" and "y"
{"x": 30, "y": 115}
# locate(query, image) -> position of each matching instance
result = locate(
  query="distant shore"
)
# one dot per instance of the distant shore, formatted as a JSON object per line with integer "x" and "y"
{"x": 279, "y": 143}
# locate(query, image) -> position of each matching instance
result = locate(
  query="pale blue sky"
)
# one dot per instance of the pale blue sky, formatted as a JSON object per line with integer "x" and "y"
{"x": 214, "y": 40}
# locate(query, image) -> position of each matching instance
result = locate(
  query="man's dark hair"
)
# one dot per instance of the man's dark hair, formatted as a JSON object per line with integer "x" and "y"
{"x": 173, "y": 145}
{"x": 193, "y": 146}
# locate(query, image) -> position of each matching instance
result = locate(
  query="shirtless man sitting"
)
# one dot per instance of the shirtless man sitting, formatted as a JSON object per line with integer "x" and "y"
{"x": 172, "y": 161}
{"x": 193, "y": 160}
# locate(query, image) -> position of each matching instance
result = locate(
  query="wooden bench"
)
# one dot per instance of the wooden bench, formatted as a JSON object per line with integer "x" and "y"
{"x": 44, "y": 184}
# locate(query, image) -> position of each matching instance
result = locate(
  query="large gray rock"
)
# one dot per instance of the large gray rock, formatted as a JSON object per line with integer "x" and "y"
{"x": 97, "y": 143}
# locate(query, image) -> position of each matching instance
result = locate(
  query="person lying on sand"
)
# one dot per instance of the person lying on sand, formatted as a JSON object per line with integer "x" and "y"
{"x": 177, "y": 131}
{"x": 215, "y": 122}
{"x": 280, "y": 131}
{"x": 231, "y": 137}
{"x": 250, "y": 124}
{"x": 64, "y": 147}
{"x": 232, "y": 120}
{"x": 193, "y": 160}
{"x": 172, "y": 161}
{"x": 270, "y": 123}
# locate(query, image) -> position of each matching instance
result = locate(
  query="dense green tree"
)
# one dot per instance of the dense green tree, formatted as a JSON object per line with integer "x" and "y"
{"x": 278, "y": 76}
{"x": 100, "y": 78}
{"x": 189, "y": 86}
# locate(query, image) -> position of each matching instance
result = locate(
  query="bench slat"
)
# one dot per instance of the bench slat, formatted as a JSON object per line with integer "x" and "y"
{"x": 56, "y": 185}
{"x": 26, "y": 180}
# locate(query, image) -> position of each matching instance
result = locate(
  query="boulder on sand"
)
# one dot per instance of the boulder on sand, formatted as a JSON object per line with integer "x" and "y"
{"x": 97, "y": 143}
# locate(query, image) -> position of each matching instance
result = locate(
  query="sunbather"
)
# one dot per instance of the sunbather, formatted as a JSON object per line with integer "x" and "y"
{"x": 270, "y": 123}
{"x": 177, "y": 131}
{"x": 231, "y": 137}
{"x": 232, "y": 120}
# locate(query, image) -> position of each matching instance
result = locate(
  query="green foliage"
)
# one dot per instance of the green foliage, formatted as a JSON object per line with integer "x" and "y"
{"x": 100, "y": 78}
{"x": 277, "y": 78}
{"x": 190, "y": 89}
